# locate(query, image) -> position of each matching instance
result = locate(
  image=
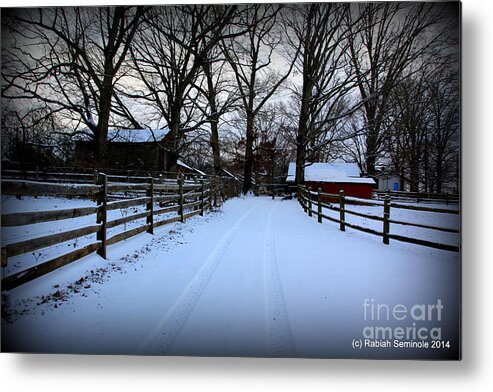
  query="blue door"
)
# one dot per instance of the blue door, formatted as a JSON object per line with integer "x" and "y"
{"x": 396, "y": 186}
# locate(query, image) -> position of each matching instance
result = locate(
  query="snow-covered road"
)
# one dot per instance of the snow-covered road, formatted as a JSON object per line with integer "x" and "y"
{"x": 259, "y": 278}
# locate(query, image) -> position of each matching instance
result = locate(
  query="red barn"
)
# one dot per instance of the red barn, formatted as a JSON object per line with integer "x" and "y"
{"x": 334, "y": 177}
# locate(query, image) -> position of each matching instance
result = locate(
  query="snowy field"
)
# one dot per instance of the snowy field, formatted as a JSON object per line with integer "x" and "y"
{"x": 442, "y": 220}
{"x": 256, "y": 278}
{"x": 13, "y": 234}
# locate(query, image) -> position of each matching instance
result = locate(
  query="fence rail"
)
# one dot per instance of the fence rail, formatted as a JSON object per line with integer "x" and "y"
{"x": 188, "y": 199}
{"x": 34, "y": 188}
{"x": 29, "y": 218}
{"x": 418, "y": 197}
{"x": 229, "y": 184}
{"x": 308, "y": 199}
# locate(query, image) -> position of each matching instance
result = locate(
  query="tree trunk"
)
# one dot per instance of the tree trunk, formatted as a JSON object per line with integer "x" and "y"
{"x": 439, "y": 173}
{"x": 426, "y": 168}
{"x": 214, "y": 119}
{"x": 402, "y": 180}
{"x": 414, "y": 176}
{"x": 216, "y": 151}
{"x": 172, "y": 161}
{"x": 303, "y": 123}
{"x": 371, "y": 151}
{"x": 273, "y": 163}
{"x": 101, "y": 137}
{"x": 300, "y": 164}
{"x": 174, "y": 141}
{"x": 247, "y": 174}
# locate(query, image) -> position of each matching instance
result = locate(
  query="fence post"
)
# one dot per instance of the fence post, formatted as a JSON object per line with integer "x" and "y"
{"x": 5, "y": 297}
{"x": 210, "y": 194}
{"x": 386, "y": 217}
{"x": 341, "y": 210}
{"x": 215, "y": 191}
{"x": 305, "y": 199}
{"x": 150, "y": 205}
{"x": 4, "y": 258}
{"x": 180, "y": 192}
{"x": 202, "y": 200}
{"x": 222, "y": 191}
{"x": 161, "y": 181}
{"x": 102, "y": 214}
{"x": 319, "y": 200}
{"x": 309, "y": 192}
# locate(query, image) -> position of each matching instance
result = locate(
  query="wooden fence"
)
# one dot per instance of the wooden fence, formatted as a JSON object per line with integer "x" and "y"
{"x": 227, "y": 187}
{"x": 280, "y": 189}
{"x": 418, "y": 197}
{"x": 185, "y": 198}
{"x": 86, "y": 175}
{"x": 308, "y": 199}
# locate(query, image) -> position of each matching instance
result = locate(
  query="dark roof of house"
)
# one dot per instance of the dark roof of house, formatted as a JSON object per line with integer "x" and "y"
{"x": 133, "y": 135}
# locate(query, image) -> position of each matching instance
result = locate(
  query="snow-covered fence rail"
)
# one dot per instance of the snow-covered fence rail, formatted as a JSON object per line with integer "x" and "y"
{"x": 338, "y": 203}
{"x": 49, "y": 176}
{"x": 87, "y": 175}
{"x": 30, "y": 218}
{"x": 417, "y": 197}
{"x": 34, "y": 188}
{"x": 229, "y": 185}
{"x": 153, "y": 201}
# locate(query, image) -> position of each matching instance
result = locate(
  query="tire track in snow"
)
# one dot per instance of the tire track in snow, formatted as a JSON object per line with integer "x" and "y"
{"x": 280, "y": 337}
{"x": 161, "y": 339}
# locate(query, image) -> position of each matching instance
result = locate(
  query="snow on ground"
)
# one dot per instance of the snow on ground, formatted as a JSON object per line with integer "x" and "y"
{"x": 257, "y": 278}
{"x": 13, "y": 234}
{"x": 443, "y": 220}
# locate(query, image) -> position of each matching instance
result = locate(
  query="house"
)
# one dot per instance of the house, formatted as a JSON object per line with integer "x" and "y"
{"x": 128, "y": 149}
{"x": 334, "y": 177}
{"x": 133, "y": 149}
{"x": 390, "y": 182}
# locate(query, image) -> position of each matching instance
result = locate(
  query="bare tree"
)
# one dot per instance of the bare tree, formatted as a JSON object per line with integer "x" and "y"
{"x": 220, "y": 96}
{"x": 444, "y": 126}
{"x": 31, "y": 137}
{"x": 423, "y": 130}
{"x": 168, "y": 56}
{"x": 70, "y": 58}
{"x": 251, "y": 57}
{"x": 388, "y": 42}
{"x": 323, "y": 96}
{"x": 408, "y": 139}
{"x": 273, "y": 149}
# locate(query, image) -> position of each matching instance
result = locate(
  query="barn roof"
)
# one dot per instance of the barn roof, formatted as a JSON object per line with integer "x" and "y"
{"x": 179, "y": 162}
{"x": 129, "y": 135}
{"x": 340, "y": 172}
{"x": 136, "y": 135}
{"x": 229, "y": 174}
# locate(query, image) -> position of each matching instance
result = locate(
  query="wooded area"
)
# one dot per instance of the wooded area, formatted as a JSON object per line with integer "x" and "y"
{"x": 246, "y": 88}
